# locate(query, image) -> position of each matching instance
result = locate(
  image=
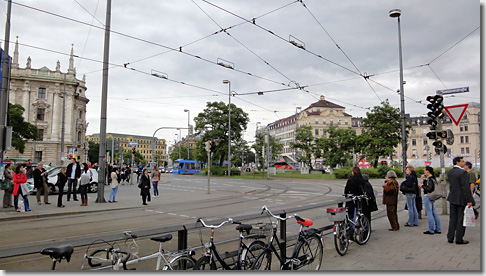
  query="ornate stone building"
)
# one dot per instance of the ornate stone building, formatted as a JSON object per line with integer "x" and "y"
{"x": 44, "y": 94}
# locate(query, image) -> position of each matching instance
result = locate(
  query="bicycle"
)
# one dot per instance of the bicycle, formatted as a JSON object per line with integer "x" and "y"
{"x": 246, "y": 253}
{"x": 180, "y": 260}
{"x": 360, "y": 225}
{"x": 58, "y": 253}
{"x": 307, "y": 252}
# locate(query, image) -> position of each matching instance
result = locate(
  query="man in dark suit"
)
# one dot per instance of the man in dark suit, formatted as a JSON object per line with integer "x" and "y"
{"x": 73, "y": 173}
{"x": 459, "y": 196}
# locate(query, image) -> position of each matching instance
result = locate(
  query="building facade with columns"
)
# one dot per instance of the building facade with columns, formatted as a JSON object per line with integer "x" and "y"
{"x": 46, "y": 94}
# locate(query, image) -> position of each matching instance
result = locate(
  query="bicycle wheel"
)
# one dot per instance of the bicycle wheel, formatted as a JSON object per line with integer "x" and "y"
{"x": 362, "y": 230}
{"x": 250, "y": 253}
{"x": 181, "y": 262}
{"x": 263, "y": 261}
{"x": 204, "y": 263}
{"x": 340, "y": 241}
{"x": 309, "y": 253}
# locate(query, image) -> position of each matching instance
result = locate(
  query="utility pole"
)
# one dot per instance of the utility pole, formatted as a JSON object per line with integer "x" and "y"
{"x": 5, "y": 93}
{"x": 104, "y": 97}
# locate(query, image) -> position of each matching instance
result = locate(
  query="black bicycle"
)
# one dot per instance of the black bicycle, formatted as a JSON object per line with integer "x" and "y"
{"x": 246, "y": 252}
{"x": 307, "y": 252}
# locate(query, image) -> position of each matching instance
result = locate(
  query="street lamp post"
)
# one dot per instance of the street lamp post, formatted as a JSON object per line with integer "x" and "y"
{"x": 188, "y": 130}
{"x": 396, "y": 13}
{"x": 229, "y": 125}
{"x": 295, "y": 133}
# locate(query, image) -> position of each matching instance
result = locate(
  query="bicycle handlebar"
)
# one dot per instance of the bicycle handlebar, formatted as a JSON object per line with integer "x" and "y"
{"x": 264, "y": 208}
{"x": 354, "y": 197}
{"x": 230, "y": 220}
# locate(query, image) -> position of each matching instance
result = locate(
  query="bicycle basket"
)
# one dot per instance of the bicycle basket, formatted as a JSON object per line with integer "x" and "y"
{"x": 262, "y": 229}
{"x": 336, "y": 214}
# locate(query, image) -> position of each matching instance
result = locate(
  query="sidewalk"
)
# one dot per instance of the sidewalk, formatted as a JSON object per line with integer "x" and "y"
{"x": 405, "y": 250}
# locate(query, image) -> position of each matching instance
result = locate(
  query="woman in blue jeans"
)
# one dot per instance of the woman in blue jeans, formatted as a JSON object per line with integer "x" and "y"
{"x": 410, "y": 182}
{"x": 429, "y": 184}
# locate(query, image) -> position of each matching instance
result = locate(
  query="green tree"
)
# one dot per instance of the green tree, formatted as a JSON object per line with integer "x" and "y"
{"x": 21, "y": 130}
{"x": 381, "y": 132}
{"x": 183, "y": 153}
{"x": 259, "y": 145}
{"x": 93, "y": 152}
{"x": 304, "y": 140}
{"x": 337, "y": 147}
{"x": 127, "y": 155}
{"x": 213, "y": 124}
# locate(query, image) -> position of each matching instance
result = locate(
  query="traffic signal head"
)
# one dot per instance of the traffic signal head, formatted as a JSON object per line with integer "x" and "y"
{"x": 435, "y": 99}
{"x": 435, "y": 107}
{"x": 432, "y": 135}
{"x": 133, "y": 150}
{"x": 442, "y": 134}
{"x": 212, "y": 146}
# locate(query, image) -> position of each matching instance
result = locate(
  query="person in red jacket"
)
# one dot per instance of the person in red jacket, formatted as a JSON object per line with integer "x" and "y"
{"x": 19, "y": 178}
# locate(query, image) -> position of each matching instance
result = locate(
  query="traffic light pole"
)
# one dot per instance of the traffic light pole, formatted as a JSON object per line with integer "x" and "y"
{"x": 442, "y": 170}
{"x": 209, "y": 170}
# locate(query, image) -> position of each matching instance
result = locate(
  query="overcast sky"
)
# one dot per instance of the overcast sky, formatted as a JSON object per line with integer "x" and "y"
{"x": 343, "y": 40}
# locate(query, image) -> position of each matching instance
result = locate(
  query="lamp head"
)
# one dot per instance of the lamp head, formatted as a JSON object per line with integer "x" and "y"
{"x": 395, "y": 13}
{"x": 226, "y": 81}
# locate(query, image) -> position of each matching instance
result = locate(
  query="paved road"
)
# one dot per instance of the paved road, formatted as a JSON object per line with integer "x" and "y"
{"x": 406, "y": 250}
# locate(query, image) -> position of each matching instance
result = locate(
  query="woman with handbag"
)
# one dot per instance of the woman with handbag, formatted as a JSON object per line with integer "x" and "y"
{"x": 84, "y": 181}
{"x": 19, "y": 179}
{"x": 7, "y": 196}
{"x": 431, "y": 188}
{"x": 409, "y": 188}
{"x": 144, "y": 186}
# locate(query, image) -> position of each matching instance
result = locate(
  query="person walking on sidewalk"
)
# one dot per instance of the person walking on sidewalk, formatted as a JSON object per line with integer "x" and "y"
{"x": 410, "y": 183}
{"x": 155, "y": 176}
{"x": 73, "y": 173}
{"x": 84, "y": 183}
{"x": 429, "y": 185}
{"x": 8, "y": 178}
{"x": 19, "y": 179}
{"x": 459, "y": 196}
{"x": 144, "y": 185}
{"x": 61, "y": 182}
{"x": 390, "y": 199}
{"x": 113, "y": 185}
{"x": 40, "y": 183}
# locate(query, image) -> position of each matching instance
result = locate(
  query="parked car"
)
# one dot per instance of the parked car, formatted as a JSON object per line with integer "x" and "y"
{"x": 162, "y": 169}
{"x": 52, "y": 179}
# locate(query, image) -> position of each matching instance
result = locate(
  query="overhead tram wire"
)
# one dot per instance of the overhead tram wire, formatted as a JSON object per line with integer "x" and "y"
{"x": 280, "y": 37}
{"x": 241, "y": 43}
{"x": 89, "y": 32}
{"x": 153, "y": 43}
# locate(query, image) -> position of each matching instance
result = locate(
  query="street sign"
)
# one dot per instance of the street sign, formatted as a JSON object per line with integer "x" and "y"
{"x": 456, "y": 112}
{"x": 133, "y": 144}
{"x": 427, "y": 163}
{"x": 453, "y": 91}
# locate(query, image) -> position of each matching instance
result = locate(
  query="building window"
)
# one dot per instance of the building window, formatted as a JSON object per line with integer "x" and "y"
{"x": 425, "y": 141}
{"x": 79, "y": 136}
{"x": 462, "y": 139}
{"x": 41, "y": 135}
{"x": 316, "y": 131}
{"x": 346, "y": 122}
{"x": 41, "y": 112}
{"x": 332, "y": 121}
{"x": 42, "y": 93}
{"x": 414, "y": 142}
{"x": 467, "y": 139}
{"x": 462, "y": 150}
{"x": 323, "y": 121}
{"x": 80, "y": 114}
{"x": 467, "y": 150}
{"x": 323, "y": 131}
{"x": 461, "y": 128}
{"x": 317, "y": 121}
{"x": 466, "y": 128}
{"x": 413, "y": 131}
{"x": 38, "y": 156}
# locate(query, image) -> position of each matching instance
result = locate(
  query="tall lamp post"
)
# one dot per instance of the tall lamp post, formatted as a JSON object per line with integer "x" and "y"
{"x": 229, "y": 125}
{"x": 396, "y": 13}
{"x": 188, "y": 130}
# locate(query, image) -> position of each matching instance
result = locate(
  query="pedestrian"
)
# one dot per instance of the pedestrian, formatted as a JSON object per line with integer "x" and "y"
{"x": 155, "y": 176}
{"x": 61, "y": 182}
{"x": 370, "y": 205}
{"x": 89, "y": 165}
{"x": 40, "y": 183}
{"x": 355, "y": 187}
{"x": 19, "y": 179}
{"x": 144, "y": 185}
{"x": 429, "y": 185}
{"x": 390, "y": 199}
{"x": 410, "y": 187}
{"x": 139, "y": 171}
{"x": 128, "y": 172}
{"x": 113, "y": 185}
{"x": 8, "y": 178}
{"x": 472, "y": 183}
{"x": 84, "y": 181}
{"x": 28, "y": 169}
{"x": 73, "y": 173}
{"x": 95, "y": 166}
{"x": 459, "y": 196}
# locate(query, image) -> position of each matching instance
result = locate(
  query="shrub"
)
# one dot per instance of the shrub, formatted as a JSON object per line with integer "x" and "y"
{"x": 342, "y": 173}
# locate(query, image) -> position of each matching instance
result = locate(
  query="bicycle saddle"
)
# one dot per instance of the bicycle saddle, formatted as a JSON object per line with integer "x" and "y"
{"x": 163, "y": 238}
{"x": 59, "y": 252}
{"x": 305, "y": 222}
{"x": 244, "y": 227}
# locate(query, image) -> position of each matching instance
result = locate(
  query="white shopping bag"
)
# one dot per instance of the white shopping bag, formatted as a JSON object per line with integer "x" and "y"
{"x": 469, "y": 218}
{"x": 21, "y": 205}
